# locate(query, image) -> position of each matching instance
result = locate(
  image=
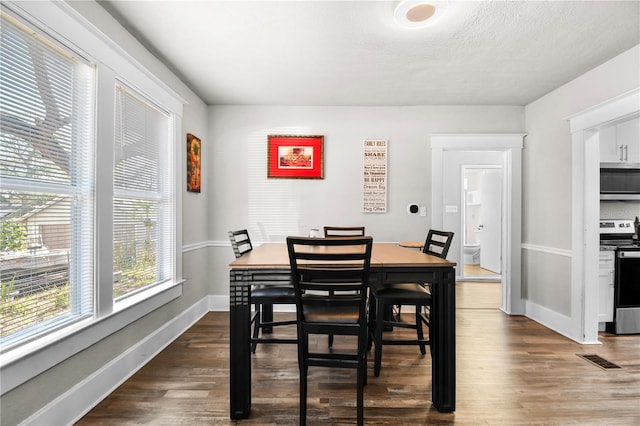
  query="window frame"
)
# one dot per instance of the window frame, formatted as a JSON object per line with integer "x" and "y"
{"x": 164, "y": 192}
{"x": 40, "y": 178}
{"x": 67, "y": 27}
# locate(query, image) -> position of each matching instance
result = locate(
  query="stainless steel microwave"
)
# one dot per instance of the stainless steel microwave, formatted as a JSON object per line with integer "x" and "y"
{"x": 620, "y": 181}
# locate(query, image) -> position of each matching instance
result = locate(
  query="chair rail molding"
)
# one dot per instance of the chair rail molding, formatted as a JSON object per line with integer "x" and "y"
{"x": 546, "y": 249}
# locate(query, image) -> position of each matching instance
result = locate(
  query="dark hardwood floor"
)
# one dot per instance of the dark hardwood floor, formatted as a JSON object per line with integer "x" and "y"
{"x": 510, "y": 371}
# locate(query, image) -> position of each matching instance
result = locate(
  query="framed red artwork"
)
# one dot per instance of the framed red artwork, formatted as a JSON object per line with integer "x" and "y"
{"x": 194, "y": 156}
{"x": 295, "y": 157}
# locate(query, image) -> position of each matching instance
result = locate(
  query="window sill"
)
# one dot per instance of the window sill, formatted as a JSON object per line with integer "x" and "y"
{"x": 21, "y": 364}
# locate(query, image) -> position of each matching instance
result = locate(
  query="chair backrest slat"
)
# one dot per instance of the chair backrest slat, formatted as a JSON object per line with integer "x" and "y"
{"x": 343, "y": 231}
{"x": 438, "y": 243}
{"x": 240, "y": 242}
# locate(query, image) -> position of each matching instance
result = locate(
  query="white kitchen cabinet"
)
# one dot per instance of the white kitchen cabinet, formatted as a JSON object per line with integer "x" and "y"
{"x": 605, "y": 291}
{"x": 620, "y": 142}
{"x": 628, "y": 136}
{"x": 608, "y": 145}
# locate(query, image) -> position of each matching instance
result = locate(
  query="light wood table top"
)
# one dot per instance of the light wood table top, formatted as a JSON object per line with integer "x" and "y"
{"x": 270, "y": 255}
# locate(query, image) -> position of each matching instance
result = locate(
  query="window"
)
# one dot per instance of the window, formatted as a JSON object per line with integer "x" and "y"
{"x": 142, "y": 194}
{"x": 87, "y": 186}
{"x": 46, "y": 184}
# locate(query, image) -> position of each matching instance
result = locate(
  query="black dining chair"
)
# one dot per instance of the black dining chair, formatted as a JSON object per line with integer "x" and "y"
{"x": 418, "y": 295}
{"x": 342, "y": 231}
{"x": 331, "y": 278}
{"x": 263, "y": 297}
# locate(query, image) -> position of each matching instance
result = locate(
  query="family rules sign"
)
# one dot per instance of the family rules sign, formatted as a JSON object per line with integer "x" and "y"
{"x": 375, "y": 176}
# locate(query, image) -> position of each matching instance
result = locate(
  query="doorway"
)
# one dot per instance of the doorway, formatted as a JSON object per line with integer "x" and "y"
{"x": 585, "y": 146}
{"x": 481, "y": 223}
{"x": 449, "y": 152}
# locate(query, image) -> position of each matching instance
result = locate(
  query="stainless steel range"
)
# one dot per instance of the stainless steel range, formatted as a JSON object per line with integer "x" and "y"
{"x": 620, "y": 236}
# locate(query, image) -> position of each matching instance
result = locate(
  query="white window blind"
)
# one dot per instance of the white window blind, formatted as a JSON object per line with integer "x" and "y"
{"x": 46, "y": 184}
{"x": 143, "y": 199}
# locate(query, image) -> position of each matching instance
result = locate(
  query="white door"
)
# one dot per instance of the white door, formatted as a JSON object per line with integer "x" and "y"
{"x": 490, "y": 237}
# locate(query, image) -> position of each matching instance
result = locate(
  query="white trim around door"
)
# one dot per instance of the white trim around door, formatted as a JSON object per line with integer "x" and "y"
{"x": 585, "y": 234}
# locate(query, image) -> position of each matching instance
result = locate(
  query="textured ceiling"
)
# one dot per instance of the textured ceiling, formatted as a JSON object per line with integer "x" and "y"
{"x": 352, "y": 52}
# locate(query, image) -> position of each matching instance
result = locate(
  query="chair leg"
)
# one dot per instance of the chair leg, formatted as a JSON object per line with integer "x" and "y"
{"x": 256, "y": 328}
{"x": 371, "y": 326}
{"x": 377, "y": 359}
{"x": 419, "y": 329}
{"x": 362, "y": 368}
{"x": 303, "y": 396}
{"x": 428, "y": 331}
{"x": 304, "y": 370}
{"x": 389, "y": 317}
{"x": 330, "y": 336}
{"x": 361, "y": 381}
{"x": 267, "y": 316}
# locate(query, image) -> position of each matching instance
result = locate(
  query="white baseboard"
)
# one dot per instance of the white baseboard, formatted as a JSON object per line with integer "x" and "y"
{"x": 218, "y": 303}
{"x": 69, "y": 407}
{"x": 551, "y": 319}
{"x": 555, "y": 321}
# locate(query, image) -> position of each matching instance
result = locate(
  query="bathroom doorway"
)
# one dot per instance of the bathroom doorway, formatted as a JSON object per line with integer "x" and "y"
{"x": 481, "y": 222}
{"x": 449, "y": 152}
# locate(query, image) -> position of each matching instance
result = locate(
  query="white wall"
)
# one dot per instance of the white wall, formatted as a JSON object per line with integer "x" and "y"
{"x": 547, "y": 183}
{"x": 272, "y": 208}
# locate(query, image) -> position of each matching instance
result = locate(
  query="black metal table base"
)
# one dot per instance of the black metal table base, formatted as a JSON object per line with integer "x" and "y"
{"x": 442, "y": 329}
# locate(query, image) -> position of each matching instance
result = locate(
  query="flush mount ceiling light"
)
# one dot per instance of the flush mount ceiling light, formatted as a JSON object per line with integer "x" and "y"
{"x": 419, "y": 13}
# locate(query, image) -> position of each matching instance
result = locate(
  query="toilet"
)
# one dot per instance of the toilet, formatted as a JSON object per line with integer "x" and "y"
{"x": 472, "y": 254}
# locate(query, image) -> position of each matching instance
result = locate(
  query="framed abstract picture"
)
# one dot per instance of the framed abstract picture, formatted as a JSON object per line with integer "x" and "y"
{"x": 194, "y": 156}
{"x": 295, "y": 157}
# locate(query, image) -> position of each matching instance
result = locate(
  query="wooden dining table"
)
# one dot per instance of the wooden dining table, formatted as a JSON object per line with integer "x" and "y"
{"x": 390, "y": 263}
